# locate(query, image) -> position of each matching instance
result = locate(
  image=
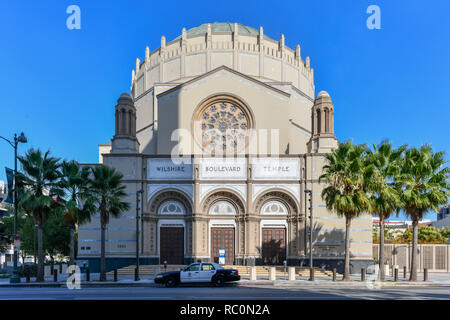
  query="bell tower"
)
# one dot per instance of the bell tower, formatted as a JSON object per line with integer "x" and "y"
{"x": 124, "y": 140}
{"x": 323, "y": 139}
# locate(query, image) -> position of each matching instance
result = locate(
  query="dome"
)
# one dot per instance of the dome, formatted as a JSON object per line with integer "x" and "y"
{"x": 323, "y": 94}
{"x": 221, "y": 27}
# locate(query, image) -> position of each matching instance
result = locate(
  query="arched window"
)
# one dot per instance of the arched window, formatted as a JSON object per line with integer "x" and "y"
{"x": 319, "y": 121}
{"x": 274, "y": 207}
{"x": 222, "y": 207}
{"x": 171, "y": 207}
{"x": 327, "y": 120}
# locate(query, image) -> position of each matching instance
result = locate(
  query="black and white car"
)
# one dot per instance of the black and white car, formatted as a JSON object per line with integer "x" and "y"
{"x": 199, "y": 272}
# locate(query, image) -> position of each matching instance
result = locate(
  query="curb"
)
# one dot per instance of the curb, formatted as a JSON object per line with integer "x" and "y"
{"x": 245, "y": 283}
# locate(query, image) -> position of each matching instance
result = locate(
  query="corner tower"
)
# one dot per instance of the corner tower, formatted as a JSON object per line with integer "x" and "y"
{"x": 124, "y": 140}
{"x": 323, "y": 139}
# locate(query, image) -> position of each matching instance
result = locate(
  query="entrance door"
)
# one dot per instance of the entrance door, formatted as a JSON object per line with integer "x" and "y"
{"x": 273, "y": 246}
{"x": 222, "y": 238}
{"x": 172, "y": 245}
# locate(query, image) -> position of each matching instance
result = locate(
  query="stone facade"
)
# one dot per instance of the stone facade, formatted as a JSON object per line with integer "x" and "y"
{"x": 223, "y": 133}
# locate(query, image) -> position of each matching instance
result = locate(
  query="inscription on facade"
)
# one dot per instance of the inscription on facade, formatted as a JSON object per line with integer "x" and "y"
{"x": 223, "y": 169}
{"x": 165, "y": 169}
{"x": 276, "y": 168}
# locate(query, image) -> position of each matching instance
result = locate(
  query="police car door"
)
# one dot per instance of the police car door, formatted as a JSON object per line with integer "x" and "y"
{"x": 190, "y": 274}
{"x": 207, "y": 272}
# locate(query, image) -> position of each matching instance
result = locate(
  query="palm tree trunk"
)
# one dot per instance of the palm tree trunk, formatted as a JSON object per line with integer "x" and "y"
{"x": 72, "y": 247}
{"x": 40, "y": 270}
{"x": 381, "y": 260}
{"x": 102, "y": 255}
{"x": 347, "y": 250}
{"x": 413, "y": 274}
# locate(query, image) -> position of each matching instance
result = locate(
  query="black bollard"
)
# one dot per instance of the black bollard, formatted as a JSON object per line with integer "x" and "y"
{"x": 404, "y": 272}
{"x": 115, "y": 275}
{"x": 136, "y": 274}
{"x": 363, "y": 274}
{"x": 27, "y": 275}
{"x": 88, "y": 274}
{"x": 55, "y": 275}
{"x": 311, "y": 274}
{"x": 334, "y": 274}
{"x": 396, "y": 274}
{"x": 425, "y": 274}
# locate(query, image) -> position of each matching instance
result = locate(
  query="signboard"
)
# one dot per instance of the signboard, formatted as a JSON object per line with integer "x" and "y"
{"x": 10, "y": 179}
{"x": 223, "y": 168}
{"x": 17, "y": 245}
{"x": 276, "y": 168}
{"x": 166, "y": 169}
{"x": 221, "y": 256}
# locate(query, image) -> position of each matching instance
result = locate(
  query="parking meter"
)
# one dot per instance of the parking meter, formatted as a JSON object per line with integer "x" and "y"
{"x": 165, "y": 265}
{"x": 285, "y": 267}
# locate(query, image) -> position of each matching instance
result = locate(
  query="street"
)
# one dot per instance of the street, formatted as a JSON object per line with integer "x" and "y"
{"x": 261, "y": 292}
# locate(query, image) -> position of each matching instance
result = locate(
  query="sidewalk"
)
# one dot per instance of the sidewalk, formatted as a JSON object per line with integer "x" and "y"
{"x": 434, "y": 279}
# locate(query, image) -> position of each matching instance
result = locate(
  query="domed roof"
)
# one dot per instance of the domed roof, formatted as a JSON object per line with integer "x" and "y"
{"x": 221, "y": 27}
{"x": 323, "y": 94}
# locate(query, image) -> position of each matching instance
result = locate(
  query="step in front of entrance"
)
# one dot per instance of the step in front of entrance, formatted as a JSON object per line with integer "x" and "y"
{"x": 243, "y": 270}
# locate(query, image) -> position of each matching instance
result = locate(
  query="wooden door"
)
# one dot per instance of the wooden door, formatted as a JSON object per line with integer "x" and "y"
{"x": 273, "y": 246}
{"x": 172, "y": 245}
{"x": 222, "y": 238}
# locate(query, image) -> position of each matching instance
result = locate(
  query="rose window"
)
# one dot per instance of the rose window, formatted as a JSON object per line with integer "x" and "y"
{"x": 223, "y": 125}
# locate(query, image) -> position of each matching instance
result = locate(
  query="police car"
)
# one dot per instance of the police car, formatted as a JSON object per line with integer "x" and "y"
{"x": 199, "y": 272}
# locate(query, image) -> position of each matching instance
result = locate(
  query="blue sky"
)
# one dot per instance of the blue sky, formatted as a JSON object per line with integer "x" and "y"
{"x": 60, "y": 86}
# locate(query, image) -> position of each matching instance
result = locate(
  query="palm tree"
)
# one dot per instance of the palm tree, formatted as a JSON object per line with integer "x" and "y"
{"x": 106, "y": 193}
{"x": 74, "y": 182}
{"x": 345, "y": 194}
{"x": 384, "y": 197}
{"x": 39, "y": 185}
{"x": 424, "y": 186}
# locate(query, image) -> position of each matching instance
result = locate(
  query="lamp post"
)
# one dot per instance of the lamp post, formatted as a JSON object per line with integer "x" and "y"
{"x": 22, "y": 139}
{"x": 309, "y": 192}
{"x": 136, "y": 272}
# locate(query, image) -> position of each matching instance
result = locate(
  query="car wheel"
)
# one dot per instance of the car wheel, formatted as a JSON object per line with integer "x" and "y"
{"x": 219, "y": 282}
{"x": 170, "y": 283}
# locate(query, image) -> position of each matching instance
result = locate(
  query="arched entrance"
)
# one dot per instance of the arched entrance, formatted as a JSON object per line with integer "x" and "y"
{"x": 223, "y": 208}
{"x": 171, "y": 208}
{"x": 274, "y": 208}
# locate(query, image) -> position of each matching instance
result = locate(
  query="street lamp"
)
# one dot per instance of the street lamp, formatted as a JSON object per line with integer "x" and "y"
{"x": 22, "y": 139}
{"x": 311, "y": 271}
{"x": 136, "y": 272}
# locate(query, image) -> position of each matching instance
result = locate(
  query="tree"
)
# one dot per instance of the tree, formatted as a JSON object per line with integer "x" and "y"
{"x": 74, "y": 182}
{"x": 39, "y": 184}
{"x": 423, "y": 181}
{"x": 345, "y": 193}
{"x": 106, "y": 193}
{"x": 56, "y": 239}
{"x": 384, "y": 197}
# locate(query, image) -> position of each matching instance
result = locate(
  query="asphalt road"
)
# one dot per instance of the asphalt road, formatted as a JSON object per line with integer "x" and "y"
{"x": 226, "y": 293}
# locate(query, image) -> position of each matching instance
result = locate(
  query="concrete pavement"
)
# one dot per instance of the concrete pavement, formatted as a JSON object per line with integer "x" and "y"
{"x": 435, "y": 279}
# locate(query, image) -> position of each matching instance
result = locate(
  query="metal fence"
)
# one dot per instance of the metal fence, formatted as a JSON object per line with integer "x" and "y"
{"x": 434, "y": 257}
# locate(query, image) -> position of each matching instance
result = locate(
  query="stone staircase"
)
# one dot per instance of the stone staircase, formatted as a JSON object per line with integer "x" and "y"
{"x": 279, "y": 271}
{"x": 243, "y": 270}
{"x": 147, "y": 269}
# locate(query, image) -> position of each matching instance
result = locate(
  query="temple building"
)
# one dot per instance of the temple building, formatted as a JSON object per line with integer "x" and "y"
{"x": 223, "y": 133}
